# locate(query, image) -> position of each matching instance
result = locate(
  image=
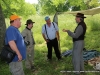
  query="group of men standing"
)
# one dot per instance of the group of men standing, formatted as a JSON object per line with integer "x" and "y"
{"x": 23, "y": 43}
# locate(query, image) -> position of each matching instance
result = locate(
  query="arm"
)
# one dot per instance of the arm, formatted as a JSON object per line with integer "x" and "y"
{"x": 57, "y": 31}
{"x": 43, "y": 34}
{"x": 13, "y": 46}
{"x": 58, "y": 37}
{"x": 44, "y": 38}
{"x": 78, "y": 32}
{"x": 30, "y": 38}
{"x": 24, "y": 34}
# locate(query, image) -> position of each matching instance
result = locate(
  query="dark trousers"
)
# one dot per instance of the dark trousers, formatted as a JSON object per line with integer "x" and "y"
{"x": 53, "y": 43}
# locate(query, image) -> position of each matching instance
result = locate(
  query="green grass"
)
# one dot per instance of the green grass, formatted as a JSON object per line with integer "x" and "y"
{"x": 53, "y": 68}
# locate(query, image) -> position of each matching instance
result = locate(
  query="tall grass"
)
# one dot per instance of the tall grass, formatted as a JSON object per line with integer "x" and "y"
{"x": 65, "y": 21}
{"x": 94, "y": 22}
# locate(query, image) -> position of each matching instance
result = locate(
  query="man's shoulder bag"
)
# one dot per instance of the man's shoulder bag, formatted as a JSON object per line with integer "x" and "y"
{"x": 7, "y": 54}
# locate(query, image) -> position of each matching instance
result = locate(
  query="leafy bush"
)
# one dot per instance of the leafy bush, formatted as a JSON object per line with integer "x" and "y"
{"x": 94, "y": 22}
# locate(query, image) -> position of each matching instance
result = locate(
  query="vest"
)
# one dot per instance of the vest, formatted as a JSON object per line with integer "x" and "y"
{"x": 82, "y": 36}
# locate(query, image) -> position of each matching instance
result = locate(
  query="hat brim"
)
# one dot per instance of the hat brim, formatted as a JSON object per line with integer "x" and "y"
{"x": 14, "y": 17}
{"x": 31, "y": 22}
{"x": 80, "y": 16}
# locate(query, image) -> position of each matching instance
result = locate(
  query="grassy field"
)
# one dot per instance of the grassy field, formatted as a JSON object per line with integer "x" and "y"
{"x": 92, "y": 41}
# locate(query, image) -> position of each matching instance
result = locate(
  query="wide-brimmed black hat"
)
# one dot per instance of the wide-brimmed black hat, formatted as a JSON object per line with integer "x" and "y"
{"x": 80, "y": 15}
{"x": 29, "y": 21}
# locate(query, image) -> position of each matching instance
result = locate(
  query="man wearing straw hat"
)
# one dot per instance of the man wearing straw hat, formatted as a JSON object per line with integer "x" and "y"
{"x": 49, "y": 32}
{"x": 78, "y": 43}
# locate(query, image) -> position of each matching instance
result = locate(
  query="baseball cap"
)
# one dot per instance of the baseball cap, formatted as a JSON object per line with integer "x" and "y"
{"x": 47, "y": 17}
{"x": 14, "y": 17}
{"x": 29, "y": 21}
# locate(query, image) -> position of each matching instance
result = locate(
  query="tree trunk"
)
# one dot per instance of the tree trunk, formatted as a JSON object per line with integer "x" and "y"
{"x": 2, "y": 27}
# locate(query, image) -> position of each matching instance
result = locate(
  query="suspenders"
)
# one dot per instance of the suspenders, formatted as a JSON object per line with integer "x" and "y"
{"x": 46, "y": 29}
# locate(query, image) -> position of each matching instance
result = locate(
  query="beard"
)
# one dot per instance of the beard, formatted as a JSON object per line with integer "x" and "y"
{"x": 77, "y": 22}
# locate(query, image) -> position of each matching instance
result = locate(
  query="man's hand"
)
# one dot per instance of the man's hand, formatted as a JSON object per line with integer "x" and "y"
{"x": 13, "y": 46}
{"x": 64, "y": 30}
{"x": 58, "y": 38}
{"x": 19, "y": 57}
{"x": 47, "y": 40}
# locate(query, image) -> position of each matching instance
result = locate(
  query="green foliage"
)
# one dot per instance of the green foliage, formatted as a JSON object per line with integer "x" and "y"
{"x": 51, "y": 6}
{"x": 94, "y": 23}
{"x": 92, "y": 40}
{"x": 18, "y": 7}
{"x": 94, "y": 3}
{"x": 29, "y": 9}
{"x": 83, "y": 4}
{"x": 57, "y": 2}
{"x": 75, "y": 2}
{"x": 93, "y": 30}
{"x": 61, "y": 5}
{"x": 45, "y": 6}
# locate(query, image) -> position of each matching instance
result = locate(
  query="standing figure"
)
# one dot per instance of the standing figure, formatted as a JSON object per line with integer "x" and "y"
{"x": 78, "y": 42}
{"x": 50, "y": 33}
{"x": 30, "y": 43}
{"x": 14, "y": 39}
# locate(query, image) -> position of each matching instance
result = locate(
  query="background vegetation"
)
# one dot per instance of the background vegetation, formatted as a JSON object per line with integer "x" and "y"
{"x": 37, "y": 12}
{"x": 42, "y": 66}
{"x": 24, "y": 9}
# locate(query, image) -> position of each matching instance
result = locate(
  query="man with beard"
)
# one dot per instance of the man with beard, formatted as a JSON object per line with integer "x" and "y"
{"x": 78, "y": 43}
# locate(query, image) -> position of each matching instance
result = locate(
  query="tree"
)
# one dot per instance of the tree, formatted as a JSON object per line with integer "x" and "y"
{"x": 18, "y": 7}
{"x": 92, "y": 3}
{"x": 52, "y": 6}
{"x": 2, "y": 27}
{"x": 27, "y": 9}
{"x": 83, "y": 4}
{"x": 9, "y": 7}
